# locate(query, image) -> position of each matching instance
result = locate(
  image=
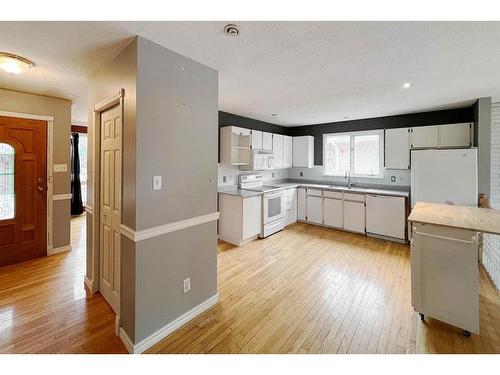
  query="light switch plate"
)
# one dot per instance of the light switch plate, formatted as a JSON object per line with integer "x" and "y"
{"x": 156, "y": 182}
{"x": 60, "y": 167}
{"x": 187, "y": 285}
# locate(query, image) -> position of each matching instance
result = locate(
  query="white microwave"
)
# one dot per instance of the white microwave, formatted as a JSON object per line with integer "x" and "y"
{"x": 260, "y": 160}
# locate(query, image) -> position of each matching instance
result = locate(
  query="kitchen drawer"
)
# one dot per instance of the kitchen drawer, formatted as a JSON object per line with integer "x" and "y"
{"x": 332, "y": 194}
{"x": 353, "y": 197}
{"x": 315, "y": 192}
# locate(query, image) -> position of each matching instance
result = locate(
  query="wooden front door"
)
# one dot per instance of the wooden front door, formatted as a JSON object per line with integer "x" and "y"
{"x": 23, "y": 189}
{"x": 110, "y": 206}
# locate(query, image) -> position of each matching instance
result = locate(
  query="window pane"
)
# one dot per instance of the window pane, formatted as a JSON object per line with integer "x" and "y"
{"x": 337, "y": 155}
{"x": 7, "y": 197}
{"x": 367, "y": 155}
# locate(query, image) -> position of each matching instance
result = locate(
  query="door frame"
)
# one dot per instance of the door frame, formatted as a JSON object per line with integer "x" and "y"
{"x": 93, "y": 262}
{"x": 50, "y": 167}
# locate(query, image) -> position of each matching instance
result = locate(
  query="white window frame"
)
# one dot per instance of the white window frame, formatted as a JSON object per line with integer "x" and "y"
{"x": 379, "y": 132}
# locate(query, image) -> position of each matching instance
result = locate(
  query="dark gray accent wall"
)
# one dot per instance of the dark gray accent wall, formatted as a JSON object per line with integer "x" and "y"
{"x": 229, "y": 119}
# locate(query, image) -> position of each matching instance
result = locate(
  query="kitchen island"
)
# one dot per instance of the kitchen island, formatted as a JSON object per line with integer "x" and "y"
{"x": 444, "y": 261}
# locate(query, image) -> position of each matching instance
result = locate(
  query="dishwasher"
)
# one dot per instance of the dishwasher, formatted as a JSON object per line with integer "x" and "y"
{"x": 386, "y": 216}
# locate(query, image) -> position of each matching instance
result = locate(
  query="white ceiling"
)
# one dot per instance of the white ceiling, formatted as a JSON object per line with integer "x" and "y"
{"x": 306, "y": 72}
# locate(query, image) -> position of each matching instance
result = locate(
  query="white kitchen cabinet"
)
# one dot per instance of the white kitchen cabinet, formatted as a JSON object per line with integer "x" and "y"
{"x": 278, "y": 151}
{"x": 240, "y": 218}
{"x": 386, "y": 216}
{"x": 301, "y": 204}
{"x": 267, "y": 141}
{"x": 354, "y": 216}
{"x": 455, "y": 135}
{"x": 290, "y": 199}
{"x": 333, "y": 211}
{"x": 256, "y": 140}
{"x": 287, "y": 151}
{"x": 424, "y": 136}
{"x": 235, "y": 146}
{"x": 314, "y": 206}
{"x": 397, "y": 148}
{"x": 303, "y": 151}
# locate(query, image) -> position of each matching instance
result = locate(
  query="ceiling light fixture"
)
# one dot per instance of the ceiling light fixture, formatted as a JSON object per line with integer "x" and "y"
{"x": 231, "y": 29}
{"x": 14, "y": 64}
{"x": 406, "y": 85}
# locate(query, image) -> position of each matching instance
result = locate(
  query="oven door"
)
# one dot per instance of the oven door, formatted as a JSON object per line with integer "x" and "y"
{"x": 273, "y": 206}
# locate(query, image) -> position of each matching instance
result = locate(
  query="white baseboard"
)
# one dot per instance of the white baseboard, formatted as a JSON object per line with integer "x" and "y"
{"x": 168, "y": 329}
{"x": 89, "y": 284}
{"x": 57, "y": 250}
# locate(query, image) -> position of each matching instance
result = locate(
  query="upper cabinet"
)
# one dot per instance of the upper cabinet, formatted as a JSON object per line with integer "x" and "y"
{"x": 397, "y": 148}
{"x": 303, "y": 151}
{"x": 287, "y": 151}
{"x": 267, "y": 141}
{"x": 424, "y": 137}
{"x": 456, "y": 135}
{"x": 256, "y": 139}
{"x": 235, "y": 145}
{"x": 278, "y": 151}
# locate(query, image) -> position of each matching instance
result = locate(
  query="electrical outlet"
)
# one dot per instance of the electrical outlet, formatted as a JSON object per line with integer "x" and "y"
{"x": 393, "y": 178}
{"x": 301, "y": 174}
{"x": 187, "y": 285}
{"x": 224, "y": 178}
{"x": 272, "y": 174}
{"x": 156, "y": 182}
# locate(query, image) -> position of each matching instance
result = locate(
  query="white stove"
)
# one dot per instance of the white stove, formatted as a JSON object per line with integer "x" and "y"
{"x": 272, "y": 203}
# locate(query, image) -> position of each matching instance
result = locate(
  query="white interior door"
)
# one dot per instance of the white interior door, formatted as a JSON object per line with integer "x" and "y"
{"x": 110, "y": 206}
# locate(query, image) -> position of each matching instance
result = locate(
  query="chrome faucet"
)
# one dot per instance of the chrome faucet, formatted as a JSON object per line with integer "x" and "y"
{"x": 348, "y": 176}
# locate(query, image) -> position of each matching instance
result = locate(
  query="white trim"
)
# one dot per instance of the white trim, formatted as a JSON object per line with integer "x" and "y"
{"x": 50, "y": 165}
{"x": 166, "y": 330}
{"x": 27, "y": 115}
{"x": 109, "y": 102}
{"x": 57, "y": 250}
{"x": 117, "y": 325}
{"x": 126, "y": 341}
{"x": 147, "y": 233}
{"x": 89, "y": 209}
{"x": 61, "y": 197}
{"x": 89, "y": 284}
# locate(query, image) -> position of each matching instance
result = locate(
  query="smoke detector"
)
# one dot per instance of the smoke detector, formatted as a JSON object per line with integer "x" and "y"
{"x": 231, "y": 29}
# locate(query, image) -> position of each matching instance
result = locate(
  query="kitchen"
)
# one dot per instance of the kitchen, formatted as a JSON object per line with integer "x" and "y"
{"x": 368, "y": 184}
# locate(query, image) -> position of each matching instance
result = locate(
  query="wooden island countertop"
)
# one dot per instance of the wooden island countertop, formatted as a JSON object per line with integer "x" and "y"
{"x": 484, "y": 220}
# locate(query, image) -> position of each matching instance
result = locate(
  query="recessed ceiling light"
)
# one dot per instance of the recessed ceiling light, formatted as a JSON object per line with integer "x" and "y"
{"x": 231, "y": 29}
{"x": 406, "y": 85}
{"x": 274, "y": 114}
{"x": 14, "y": 64}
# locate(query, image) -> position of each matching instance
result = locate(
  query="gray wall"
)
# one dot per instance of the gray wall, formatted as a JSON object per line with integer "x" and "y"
{"x": 483, "y": 126}
{"x": 120, "y": 73}
{"x": 177, "y": 100}
{"x": 60, "y": 109}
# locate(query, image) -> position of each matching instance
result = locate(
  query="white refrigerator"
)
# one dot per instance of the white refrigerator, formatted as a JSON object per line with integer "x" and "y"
{"x": 444, "y": 176}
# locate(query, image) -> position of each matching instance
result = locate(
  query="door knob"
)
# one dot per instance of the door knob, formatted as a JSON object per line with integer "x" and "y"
{"x": 40, "y": 188}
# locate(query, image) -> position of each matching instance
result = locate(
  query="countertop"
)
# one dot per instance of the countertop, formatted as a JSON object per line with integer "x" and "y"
{"x": 484, "y": 220}
{"x": 232, "y": 190}
{"x": 239, "y": 192}
{"x": 353, "y": 189}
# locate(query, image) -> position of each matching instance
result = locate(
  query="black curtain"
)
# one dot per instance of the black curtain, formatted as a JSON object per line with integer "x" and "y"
{"x": 76, "y": 187}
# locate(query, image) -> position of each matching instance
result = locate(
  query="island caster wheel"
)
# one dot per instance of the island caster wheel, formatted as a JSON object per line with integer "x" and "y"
{"x": 422, "y": 317}
{"x": 466, "y": 333}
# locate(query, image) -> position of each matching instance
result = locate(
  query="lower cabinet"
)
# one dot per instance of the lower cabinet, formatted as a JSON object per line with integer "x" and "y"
{"x": 314, "y": 206}
{"x": 240, "y": 218}
{"x": 354, "y": 216}
{"x": 333, "y": 212}
{"x": 290, "y": 205}
{"x": 301, "y": 204}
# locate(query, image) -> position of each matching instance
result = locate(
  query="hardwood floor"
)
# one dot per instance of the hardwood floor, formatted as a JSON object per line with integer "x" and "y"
{"x": 306, "y": 289}
{"x": 44, "y": 307}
